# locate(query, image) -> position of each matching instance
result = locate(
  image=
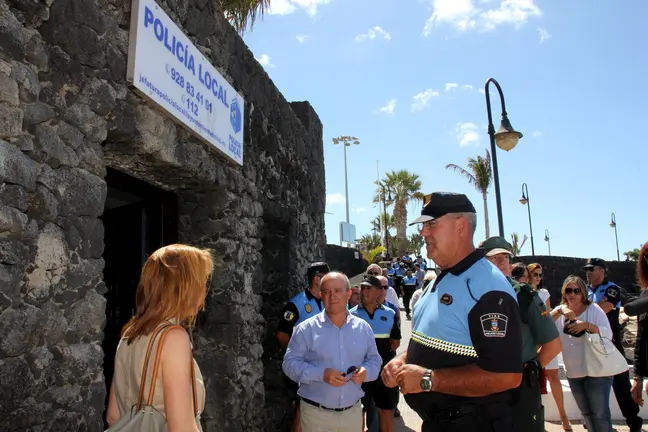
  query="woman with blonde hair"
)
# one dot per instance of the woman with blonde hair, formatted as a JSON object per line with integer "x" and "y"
{"x": 551, "y": 370}
{"x": 575, "y": 316}
{"x": 171, "y": 292}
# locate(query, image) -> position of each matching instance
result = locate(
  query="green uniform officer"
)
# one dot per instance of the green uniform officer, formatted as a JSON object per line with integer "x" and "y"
{"x": 540, "y": 340}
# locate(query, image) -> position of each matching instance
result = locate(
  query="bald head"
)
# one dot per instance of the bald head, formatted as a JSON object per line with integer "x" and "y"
{"x": 335, "y": 276}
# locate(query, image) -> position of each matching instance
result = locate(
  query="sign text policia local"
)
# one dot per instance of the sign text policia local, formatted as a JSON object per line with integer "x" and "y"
{"x": 167, "y": 68}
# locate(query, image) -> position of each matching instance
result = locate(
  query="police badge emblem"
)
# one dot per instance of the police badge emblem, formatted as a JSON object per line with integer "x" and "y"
{"x": 308, "y": 308}
{"x": 288, "y": 316}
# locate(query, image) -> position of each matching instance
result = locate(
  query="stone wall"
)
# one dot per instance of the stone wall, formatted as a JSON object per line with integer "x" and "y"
{"x": 343, "y": 259}
{"x": 555, "y": 269}
{"x": 66, "y": 113}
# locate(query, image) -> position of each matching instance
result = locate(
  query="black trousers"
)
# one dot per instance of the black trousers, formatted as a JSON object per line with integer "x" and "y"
{"x": 493, "y": 417}
{"x": 621, "y": 386}
{"x": 408, "y": 291}
{"x": 528, "y": 412}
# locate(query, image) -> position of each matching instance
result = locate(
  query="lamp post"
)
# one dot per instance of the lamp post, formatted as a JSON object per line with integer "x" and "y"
{"x": 613, "y": 225}
{"x": 505, "y": 138}
{"x": 548, "y": 240}
{"x": 347, "y": 141}
{"x": 525, "y": 201}
{"x": 384, "y": 221}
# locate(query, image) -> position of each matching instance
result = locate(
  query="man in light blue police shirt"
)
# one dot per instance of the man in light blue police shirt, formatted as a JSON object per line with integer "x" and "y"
{"x": 410, "y": 283}
{"x": 302, "y": 306}
{"x": 330, "y": 355}
{"x": 608, "y": 296}
{"x": 464, "y": 360}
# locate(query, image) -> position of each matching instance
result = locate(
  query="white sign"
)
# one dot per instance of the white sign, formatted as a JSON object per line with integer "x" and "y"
{"x": 168, "y": 69}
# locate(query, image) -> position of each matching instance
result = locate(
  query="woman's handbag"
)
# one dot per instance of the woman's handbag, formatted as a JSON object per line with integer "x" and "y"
{"x": 602, "y": 358}
{"x": 143, "y": 417}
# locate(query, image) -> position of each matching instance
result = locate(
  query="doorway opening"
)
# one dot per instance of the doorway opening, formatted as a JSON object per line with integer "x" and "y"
{"x": 138, "y": 218}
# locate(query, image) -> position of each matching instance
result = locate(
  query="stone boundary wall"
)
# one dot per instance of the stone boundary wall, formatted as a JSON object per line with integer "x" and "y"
{"x": 556, "y": 268}
{"x": 66, "y": 113}
{"x": 343, "y": 259}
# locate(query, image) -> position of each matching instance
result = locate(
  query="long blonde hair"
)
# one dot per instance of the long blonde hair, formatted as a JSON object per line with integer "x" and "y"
{"x": 172, "y": 285}
{"x": 581, "y": 284}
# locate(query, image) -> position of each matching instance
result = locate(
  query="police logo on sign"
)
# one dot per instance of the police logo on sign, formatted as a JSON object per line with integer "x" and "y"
{"x": 494, "y": 324}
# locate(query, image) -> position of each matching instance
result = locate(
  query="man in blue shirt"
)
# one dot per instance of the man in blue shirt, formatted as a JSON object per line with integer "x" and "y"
{"x": 299, "y": 308}
{"x": 386, "y": 329}
{"x": 330, "y": 355}
{"x": 464, "y": 360}
{"x": 608, "y": 296}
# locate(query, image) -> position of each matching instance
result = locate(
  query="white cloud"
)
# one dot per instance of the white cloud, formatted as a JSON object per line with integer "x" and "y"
{"x": 421, "y": 100}
{"x": 360, "y": 209}
{"x": 544, "y": 34}
{"x": 264, "y": 60}
{"x": 465, "y": 15}
{"x": 467, "y": 87}
{"x": 334, "y": 198}
{"x": 482, "y": 91}
{"x": 388, "y": 108}
{"x": 302, "y": 38}
{"x": 451, "y": 86}
{"x": 536, "y": 134}
{"x": 467, "y": 134}
{"x": 373, "y": 33}
{"x": 286, "y": 7}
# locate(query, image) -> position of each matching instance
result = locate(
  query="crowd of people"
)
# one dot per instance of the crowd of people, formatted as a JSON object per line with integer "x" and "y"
{"x": 484, "y": 340}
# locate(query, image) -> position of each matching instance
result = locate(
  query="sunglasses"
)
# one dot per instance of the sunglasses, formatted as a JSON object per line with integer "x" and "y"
{"x": 572, "y": 291}
{"x": 537, "y": 275}
{"x": 374, "y": 273}
{"x": 350, "y": 371}
{"x": 384, "y": 286}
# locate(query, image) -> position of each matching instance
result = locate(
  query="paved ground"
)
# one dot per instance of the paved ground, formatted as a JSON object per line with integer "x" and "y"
{"x": 411, "y": 422}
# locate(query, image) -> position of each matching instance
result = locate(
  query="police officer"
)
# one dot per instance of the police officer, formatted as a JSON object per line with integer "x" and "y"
{"x": 302, "y": 306}
{"x": 410, "y": 284}
{"x": 538, "y": 330}
{"x": 464, "y": 360}
{"x": 608, "y": 296}
{"x": 386, "y": 329}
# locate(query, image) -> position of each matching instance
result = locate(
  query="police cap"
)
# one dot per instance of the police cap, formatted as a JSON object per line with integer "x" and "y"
{"x": 594, "y": 262}
{"x": 496, "y": 245}
{"x": 317, "y": 268}
{"x": 438, "y": 204}
{"x": 370, "y": 280}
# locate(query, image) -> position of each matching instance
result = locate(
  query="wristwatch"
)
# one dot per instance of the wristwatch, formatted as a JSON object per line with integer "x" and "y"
{"x": 426, "y": 381}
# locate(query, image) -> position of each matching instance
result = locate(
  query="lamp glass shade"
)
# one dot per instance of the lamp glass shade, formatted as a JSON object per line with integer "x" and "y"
{"x": 507, "y": 140}
{"x": 523, "y": 200}
{"x": 612, "y": 224}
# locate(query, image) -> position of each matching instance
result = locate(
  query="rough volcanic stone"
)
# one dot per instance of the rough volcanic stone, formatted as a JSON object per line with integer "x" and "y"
{"x": 42, "y": 205}
{"x": 10, "y": 121}
{"x": 92, "y": 126}
{"x": 36, "y": 52}
{"x": 21, "y": 329}
{"x": 12, "y": 221}
{"x": 99, "y": 96}
{"x": 57, "y": 153}
{"x": 12, "y": 37}
{"x": 70, "y": 135}
{"x": 14, "y": 196}
{"x": 79, "y": 192}
{"x": 37, "y": 113}
{"x": 87, "y": 316}
{"x": 29, "y": 86}
{"x": 54, "y": 323}
{"x": 17, "y": 168}
{"x": 51, "y": 262}
{"x": 8, "y": 90}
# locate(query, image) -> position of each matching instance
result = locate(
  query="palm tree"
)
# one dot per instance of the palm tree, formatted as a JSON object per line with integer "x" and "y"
{"x": 633, "y": 254}
{"x": 479, "y": 174}
{"x": 403, "y": 187}
{"x": 240, "y": 13}
{"x": 416, "y": 242}
{"x": 369, "y": 241}
{"x": 515, "y": 243}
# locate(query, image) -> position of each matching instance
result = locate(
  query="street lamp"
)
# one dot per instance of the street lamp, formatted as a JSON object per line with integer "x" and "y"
{"x": 384, "y": 221}
{"x": 347, "y": 141}
{"x": 613, "y": 225}
{"x": 505, "y": 138}
{"x": 548, "y": 240}
{"x": 525, "y": 201}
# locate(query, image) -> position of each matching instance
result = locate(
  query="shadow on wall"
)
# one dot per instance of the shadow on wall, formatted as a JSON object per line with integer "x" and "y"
{"x": 555, "y": 269}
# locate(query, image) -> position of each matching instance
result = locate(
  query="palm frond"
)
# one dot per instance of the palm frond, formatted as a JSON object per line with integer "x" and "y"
{"x": 244, "y": 13}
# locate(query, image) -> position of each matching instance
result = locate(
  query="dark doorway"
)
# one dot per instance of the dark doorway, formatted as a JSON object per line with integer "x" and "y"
{"x": 138, "y": 219}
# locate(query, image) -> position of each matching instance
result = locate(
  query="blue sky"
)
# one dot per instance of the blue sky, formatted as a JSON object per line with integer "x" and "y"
{"x": 405, "y": 77}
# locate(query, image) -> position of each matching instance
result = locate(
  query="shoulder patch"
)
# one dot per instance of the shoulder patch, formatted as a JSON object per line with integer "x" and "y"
{"x": 494, "y": 324}
{"x": 384, "y": 318}
{"x": 308, "y": 308}
{"x": 289, "y": 316}
{"x": 446, "y": 299}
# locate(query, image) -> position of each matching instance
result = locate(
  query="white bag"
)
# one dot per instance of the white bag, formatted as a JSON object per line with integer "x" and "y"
{"x": 602, "y": 358}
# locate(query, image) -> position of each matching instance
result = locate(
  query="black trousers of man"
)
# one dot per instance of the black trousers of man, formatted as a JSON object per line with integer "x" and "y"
{"x": 408, "y": 291}
{"x": 528, "y": 412}
{"x": 492, "y": 417}
{"x": 622, "y": 386}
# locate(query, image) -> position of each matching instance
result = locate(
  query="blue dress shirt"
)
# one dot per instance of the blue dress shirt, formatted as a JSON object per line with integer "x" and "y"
{"x": 317, "y": 344}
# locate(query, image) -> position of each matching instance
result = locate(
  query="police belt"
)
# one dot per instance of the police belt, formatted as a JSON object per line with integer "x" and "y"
{"x": 531, "y": 374}
{"x": 448, "y": 414}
